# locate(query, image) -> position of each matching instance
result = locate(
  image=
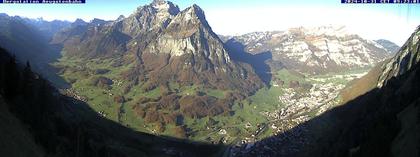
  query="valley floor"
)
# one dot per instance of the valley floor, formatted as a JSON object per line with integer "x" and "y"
{"x": 291, "y": 99}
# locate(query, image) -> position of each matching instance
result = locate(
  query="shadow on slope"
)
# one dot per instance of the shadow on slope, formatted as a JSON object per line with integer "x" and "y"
{"x": 28, "y": 43}
{"x": 258, "y": 61}
{"x": 64, "y": 126}
{"x": 382, "y": 122}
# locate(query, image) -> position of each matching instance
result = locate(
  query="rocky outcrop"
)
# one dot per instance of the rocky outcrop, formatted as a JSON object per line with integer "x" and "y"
{"x": 407, "y": 58}
{"x": 154, "y": 16}
{"x": 378, "y": 76}
{"x": 189, "y": 32}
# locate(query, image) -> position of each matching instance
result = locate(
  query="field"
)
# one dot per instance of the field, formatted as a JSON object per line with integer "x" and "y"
{"x": 245, "y": 121}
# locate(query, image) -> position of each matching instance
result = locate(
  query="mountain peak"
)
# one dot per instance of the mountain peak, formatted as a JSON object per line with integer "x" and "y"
{"x": 165, "y": 6}
{"x": 388, "y": 45}
{"x": 152, "y": 16}
{"x": 189, "y": 21}
{"x": 192, "y": 14}
{"x": 157, "y": 2}
{"x": 121, "y": 17}
{"x": 97, "y": 22}
{"x": 197, "y": 11}
{"x": 79, "y": 22}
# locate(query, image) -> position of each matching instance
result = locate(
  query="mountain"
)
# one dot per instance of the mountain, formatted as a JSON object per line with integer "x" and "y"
{"x": 381, "y": 119}
{"x": 26, "y": 41}
{"x": 167, "y": 44}
{"x": 388, "y": 45}
{"x": 388, "y": 113}
{"x": 314, "y": 50}
{"x": 47, "y": 28}
{"x": 166, "y": 63}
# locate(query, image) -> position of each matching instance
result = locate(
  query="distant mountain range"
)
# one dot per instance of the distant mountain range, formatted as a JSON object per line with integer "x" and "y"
{"x": 388, "y": 45}
{"x": 315, "y": 50}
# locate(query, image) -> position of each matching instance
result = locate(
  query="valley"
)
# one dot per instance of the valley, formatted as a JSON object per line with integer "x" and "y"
{"x": 185, "y": 82}
{"x": 291, "y": 99}
{"x": 161, "y": 73}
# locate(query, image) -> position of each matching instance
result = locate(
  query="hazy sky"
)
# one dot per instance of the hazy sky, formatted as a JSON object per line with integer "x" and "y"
{"x": 231, "y": 17}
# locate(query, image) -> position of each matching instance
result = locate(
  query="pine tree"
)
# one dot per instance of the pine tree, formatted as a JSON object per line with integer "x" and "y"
{"x": 27, "y": 82}
{"x": 11, "y": 79}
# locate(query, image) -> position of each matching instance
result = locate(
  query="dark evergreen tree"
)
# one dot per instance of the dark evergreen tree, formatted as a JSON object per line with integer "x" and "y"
{"x": 11, "y": 79}
{"x": 27, "y": 82}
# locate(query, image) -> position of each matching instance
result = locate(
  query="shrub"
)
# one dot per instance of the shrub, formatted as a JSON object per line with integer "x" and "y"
{"x": 202, "y": 106}
{"x": 101, "y": 71}
{"x": 149, "y": 86}
{"x": 119, "y": 99}
{"x": 72, "y": 80}
{"x": 180, "y": 132}
{"x": 294, "y": 84}
{"x": 152, "y": 116}
{"x": 101, "y": 82}
{"x": 159, "y": 127}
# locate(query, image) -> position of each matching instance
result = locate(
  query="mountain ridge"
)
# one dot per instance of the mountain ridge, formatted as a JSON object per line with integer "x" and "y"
{"x": 390, "y": 46}
{"x": 315, "y": 49}
{"x": 159, "y": 47}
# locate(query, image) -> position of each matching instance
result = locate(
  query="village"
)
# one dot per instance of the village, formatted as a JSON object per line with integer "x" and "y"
{"x": 288, "y": 122}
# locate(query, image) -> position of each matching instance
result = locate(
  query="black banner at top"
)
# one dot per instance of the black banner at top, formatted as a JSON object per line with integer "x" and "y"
{"x": 43, "y": 1}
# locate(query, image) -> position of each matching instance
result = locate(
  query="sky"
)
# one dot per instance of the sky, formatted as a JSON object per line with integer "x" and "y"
{"x": 394, "y": 22}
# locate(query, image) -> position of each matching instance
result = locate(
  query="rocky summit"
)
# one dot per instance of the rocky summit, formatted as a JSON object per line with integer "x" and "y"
{"x": 167, "y": 44}
{"x": 158, "y": 54}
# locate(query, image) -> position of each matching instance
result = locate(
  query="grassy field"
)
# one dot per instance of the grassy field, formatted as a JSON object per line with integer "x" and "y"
{"x": 287, "y": 76}
{"x": 81, "y": 73}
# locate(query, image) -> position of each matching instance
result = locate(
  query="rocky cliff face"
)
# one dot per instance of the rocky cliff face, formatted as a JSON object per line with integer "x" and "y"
{"x": 189, "y": 32}
{"x": 403, "y": 61}
{"x": 406, "y": 59}
{"x": 152, "y": 17}
{"x": 381, "y": 121}
{"x": 167, "y": 44}
{"x": 315, "y": 50}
